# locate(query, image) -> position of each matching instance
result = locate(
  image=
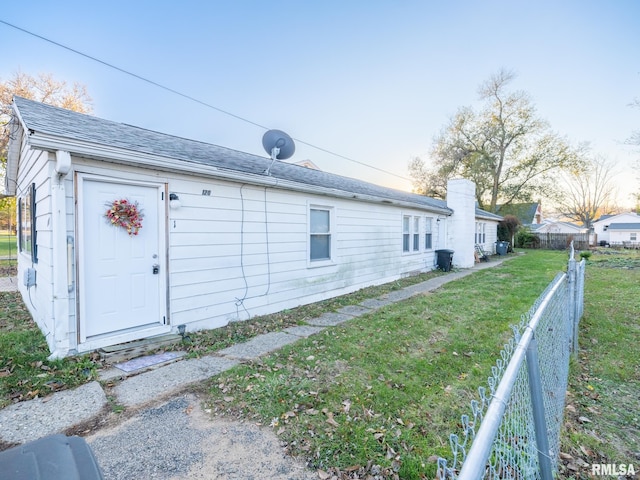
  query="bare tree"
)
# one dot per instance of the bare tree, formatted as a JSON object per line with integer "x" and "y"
{"x": 43, "y": 88}
{"x": 589, "y": 191}
{"x": 505, "y": 148}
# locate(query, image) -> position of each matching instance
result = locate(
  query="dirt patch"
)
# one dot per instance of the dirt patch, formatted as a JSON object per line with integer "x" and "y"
{"x": 178, "y": 440}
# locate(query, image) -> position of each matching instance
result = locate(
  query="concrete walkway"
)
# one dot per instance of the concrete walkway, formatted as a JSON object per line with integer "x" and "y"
{"x": 33, "y": 419}
{"x": 8, "y": 284}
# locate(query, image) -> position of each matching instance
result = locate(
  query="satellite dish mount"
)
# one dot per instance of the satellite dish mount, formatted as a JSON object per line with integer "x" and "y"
{"x": 278, "y": 145}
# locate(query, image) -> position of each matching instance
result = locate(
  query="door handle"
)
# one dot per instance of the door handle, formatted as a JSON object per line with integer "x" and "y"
{"x": 156, "y": 269}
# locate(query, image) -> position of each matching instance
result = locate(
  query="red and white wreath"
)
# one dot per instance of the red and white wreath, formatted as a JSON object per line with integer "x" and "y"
{"x": 126, "y": 214}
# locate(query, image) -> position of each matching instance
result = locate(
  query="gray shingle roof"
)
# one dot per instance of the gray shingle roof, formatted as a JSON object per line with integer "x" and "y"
{"x": 487, "y": 215}
{"x": 624, "y": 226}
{"x": 46, "y": 119}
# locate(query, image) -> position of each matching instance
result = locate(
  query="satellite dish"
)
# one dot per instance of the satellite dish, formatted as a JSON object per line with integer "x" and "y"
{"x": 273, "y": 139}
{"x": 278, "y": 145}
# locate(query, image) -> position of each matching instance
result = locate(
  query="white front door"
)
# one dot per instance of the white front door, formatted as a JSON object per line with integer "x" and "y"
{"x": 121, "y": 276}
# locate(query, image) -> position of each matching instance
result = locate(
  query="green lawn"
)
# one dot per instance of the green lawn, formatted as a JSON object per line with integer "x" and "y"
{"x": 388, "y": 388}
{"x": 604, "y": 403}
{"x": 8, "y": 245}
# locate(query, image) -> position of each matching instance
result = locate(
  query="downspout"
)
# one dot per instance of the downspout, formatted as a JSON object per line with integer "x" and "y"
{"x": 61, "y": 325}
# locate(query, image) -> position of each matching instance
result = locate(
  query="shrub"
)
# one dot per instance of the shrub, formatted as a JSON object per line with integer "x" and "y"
{"x": 526, "y": 239}
{"x": 586, "y": 254}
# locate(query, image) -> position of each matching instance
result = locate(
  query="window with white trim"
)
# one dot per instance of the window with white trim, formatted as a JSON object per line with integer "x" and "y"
{"x": 633, "y": 236}
{"x": 481, "y": 235}
{"x": 27, "y": 223}
{"x": 319, "y": 234}
{"x": 410, "y": 233}
{"x": 406, "y": 232}
{"x": 428, "y": 233}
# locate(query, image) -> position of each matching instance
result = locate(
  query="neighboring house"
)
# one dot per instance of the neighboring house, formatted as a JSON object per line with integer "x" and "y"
{"x": 625, "y": 234}
{"x": 618, "y": 229}
{"x": 219, "y": 239}
{"x": 307, "y": 163}
{"x": 558, "y": 227}
{"x": 529, "y": 214}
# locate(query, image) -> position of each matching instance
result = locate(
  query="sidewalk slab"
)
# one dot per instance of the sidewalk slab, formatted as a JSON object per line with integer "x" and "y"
{"x": 354, "y": 310}
{"x": 397, "y": 295}
{"x": 258, "y": 346}
{"x": 27, "y": 421}
{"x": 303, "y": 331}
{"x": 8, "y": 284}
{"x": 376, "y": 303}
{"x": 154, "y": 384}
{"x": 329, "y": 319}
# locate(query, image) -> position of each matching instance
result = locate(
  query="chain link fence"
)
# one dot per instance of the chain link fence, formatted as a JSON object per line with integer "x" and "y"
{"x": 513, "y": 429}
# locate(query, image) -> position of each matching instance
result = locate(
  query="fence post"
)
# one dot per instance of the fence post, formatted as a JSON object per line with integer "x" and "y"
{"x": 537, "y": 407}
{"x": 571, "y": 285}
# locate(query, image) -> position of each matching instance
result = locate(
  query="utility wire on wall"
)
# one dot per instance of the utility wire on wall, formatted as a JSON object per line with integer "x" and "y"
{"x": 191, "y": 98}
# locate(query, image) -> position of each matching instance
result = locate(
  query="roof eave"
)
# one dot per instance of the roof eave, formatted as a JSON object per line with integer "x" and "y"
{"x": 131, "y": 157}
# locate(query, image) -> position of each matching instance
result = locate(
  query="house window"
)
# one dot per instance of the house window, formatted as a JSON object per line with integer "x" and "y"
{"x": 27, "y": 223}
{"x": 633, "y": 236}
{"x": 428, "y": 234}
{"x": 410, "y": 233}
{"x": 319, "y": 234}
{"x": 406, "y": 234}
{"x": 481, "y": 232}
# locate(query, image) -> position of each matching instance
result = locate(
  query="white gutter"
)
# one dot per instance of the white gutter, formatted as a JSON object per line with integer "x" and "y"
{"x": 60, "y": 256}
{"x": 146, "y": 160}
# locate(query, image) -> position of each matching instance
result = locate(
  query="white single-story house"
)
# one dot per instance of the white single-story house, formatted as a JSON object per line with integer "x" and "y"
{"x": 621, "y": 229}
{"x": 207, "y": 235}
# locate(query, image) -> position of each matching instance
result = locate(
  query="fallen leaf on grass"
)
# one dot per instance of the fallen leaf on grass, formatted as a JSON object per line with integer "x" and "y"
{"x": 587, "y": 452}
{"x": 331, "y": 421}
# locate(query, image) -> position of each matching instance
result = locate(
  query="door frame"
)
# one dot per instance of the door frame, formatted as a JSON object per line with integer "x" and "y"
{"x": 113, "y": 338}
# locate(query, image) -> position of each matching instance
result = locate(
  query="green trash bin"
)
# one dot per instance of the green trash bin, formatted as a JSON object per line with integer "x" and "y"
{"x": 56, "y": 457}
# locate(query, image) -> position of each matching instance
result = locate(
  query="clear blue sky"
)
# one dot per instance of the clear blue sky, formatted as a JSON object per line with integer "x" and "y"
{"x": 371, "y": 80}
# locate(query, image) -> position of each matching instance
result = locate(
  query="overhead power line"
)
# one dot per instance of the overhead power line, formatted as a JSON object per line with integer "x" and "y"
{"x": 189, "y": 97}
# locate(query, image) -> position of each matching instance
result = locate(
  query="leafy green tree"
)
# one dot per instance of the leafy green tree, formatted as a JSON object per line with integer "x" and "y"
{"x": 505, "y": 148}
